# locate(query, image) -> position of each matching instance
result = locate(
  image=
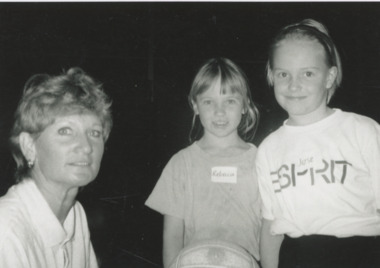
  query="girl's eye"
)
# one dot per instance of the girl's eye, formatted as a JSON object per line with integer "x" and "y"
{"x": 308, "y": 74}
{"x": 207, "y": 102}
{"x": 95, "y": 133}
{"x": 65, "y": 131}
{"x": 231, "y": 101}
{"x": 282, "y": 75}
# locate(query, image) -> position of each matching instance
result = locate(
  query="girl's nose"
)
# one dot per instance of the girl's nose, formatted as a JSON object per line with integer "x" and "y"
{"x": 219, "y": 109}
{"x": 294, "y": 84}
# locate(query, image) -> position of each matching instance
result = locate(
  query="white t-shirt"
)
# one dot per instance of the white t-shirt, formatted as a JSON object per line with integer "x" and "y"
{"x": 32, "y": 237}
{"x": 323, "y": 178}
{"x": 217, "y": 197}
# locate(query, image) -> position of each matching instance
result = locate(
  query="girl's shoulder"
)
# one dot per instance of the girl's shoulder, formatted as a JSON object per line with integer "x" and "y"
{"x": 272, "y": 139}
{"x": 362, "y": 125}
{"x": 359, "y": 119}
{"x": 184, "y": 154}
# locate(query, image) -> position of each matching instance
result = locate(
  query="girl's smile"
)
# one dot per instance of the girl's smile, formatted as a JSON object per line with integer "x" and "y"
{"x": 220, "y": 113}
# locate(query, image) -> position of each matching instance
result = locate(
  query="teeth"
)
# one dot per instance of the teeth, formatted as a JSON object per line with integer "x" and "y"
{"x": 220, "y": 124}
{"x": 296, "y": 98}
{"x": 81, "y": 164}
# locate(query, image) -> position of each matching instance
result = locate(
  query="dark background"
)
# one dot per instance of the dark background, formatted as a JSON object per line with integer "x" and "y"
{"x": 146, "y": 55}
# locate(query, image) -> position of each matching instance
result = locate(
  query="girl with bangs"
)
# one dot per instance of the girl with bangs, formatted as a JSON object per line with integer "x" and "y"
{"x": 208, "y": 192}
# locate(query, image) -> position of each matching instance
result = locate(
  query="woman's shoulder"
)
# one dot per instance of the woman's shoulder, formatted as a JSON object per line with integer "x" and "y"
{"x": 10, "y": 203}
{"x": 13, "y": 216}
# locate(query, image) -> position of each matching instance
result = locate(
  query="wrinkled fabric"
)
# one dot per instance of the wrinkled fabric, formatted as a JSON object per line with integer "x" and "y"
{"x": 190, "y": 188}
{"x": 32, "y": 237}
{"x": 322, "y": 178}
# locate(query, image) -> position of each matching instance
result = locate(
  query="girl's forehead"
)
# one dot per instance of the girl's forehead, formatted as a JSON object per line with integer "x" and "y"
{"x": 298, "y": 49}
{"x": 300, "y": 45}
{"x": 299, "y": 42}
{"x": 219, "y": 90}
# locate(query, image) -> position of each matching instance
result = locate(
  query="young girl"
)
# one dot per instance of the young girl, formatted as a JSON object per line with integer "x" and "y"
{"x": 208, "y": 191}
{"x": 319, "y": 174}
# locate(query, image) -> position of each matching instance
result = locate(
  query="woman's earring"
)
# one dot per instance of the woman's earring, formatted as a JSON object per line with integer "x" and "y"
{"x": 30, "y": 163}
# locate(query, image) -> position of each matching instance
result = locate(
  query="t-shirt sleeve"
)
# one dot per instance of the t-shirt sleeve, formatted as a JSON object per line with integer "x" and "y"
{"x": 265, "y": 185}
{"x": 168, "y": 195}
{"x": 373, "y": 158}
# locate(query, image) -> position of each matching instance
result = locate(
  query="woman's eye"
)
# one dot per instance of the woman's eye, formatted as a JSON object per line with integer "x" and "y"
{"x": 65, "y": 131}
{"x": 96, "y": 133}
{"x": 232, "y": 101}
{"x": 207, "y": 102}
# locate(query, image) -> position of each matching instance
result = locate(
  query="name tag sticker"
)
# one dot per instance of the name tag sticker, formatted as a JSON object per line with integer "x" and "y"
{"x": 224, "y": 174}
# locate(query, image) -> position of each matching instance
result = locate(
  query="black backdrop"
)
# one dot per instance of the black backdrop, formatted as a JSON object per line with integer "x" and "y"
{"x": 146, "y": 55}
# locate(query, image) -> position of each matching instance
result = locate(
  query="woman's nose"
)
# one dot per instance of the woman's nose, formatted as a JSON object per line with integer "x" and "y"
{"x": 84, "y": 143}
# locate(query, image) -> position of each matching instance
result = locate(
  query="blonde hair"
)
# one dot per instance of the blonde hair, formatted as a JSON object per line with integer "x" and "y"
{"x": 231, "y": 78}
{"x": 47, "y": 97}
{"x": 312, "y": 30}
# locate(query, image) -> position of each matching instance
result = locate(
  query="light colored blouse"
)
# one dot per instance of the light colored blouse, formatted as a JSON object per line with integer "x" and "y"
{"x": 32, "y": 237}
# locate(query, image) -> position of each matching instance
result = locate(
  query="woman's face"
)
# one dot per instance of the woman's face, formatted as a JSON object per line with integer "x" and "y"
{"x": 68, "y": 152}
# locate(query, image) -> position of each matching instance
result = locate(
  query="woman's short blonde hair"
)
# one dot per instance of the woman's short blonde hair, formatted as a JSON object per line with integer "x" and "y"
{"x": 47, "y": 97}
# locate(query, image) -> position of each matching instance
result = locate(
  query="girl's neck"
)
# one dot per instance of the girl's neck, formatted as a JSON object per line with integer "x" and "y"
{"x": 223, "y": 147}
{"x": 304, "y": 120}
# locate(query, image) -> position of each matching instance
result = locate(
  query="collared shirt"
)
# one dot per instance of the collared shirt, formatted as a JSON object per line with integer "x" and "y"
{"x": 31, "y": 235}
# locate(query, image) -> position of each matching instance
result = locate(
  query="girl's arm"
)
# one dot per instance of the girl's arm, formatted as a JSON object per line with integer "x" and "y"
{"x": 269, "y": 246}
{"x": 173, "y": 239}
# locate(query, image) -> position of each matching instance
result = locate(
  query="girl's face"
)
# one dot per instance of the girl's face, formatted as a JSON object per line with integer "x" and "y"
{"x": 220, "y": 113}
{"x": 69, "y": 151}
{"x": 302, "y": 80}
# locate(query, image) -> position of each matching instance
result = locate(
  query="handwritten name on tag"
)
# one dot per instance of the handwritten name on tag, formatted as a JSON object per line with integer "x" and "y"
{"x": 224, "y": 174}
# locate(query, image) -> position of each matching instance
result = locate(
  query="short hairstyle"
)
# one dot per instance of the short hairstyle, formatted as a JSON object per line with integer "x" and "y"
{"x": 47, "y": 97}
{"x": 231, "y": 78}
{"x": 312, "y": 30}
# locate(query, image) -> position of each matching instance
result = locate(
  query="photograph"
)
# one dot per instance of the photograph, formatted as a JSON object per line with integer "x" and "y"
{"x": 179, "y": 134}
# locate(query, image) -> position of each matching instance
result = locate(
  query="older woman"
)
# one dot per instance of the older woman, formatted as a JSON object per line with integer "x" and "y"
{"x": 61, "y": 125}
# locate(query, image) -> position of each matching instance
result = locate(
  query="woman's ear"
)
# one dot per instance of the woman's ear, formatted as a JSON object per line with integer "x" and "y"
{"x": 27, "y": 146}
{"x": 331, "y": 76}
